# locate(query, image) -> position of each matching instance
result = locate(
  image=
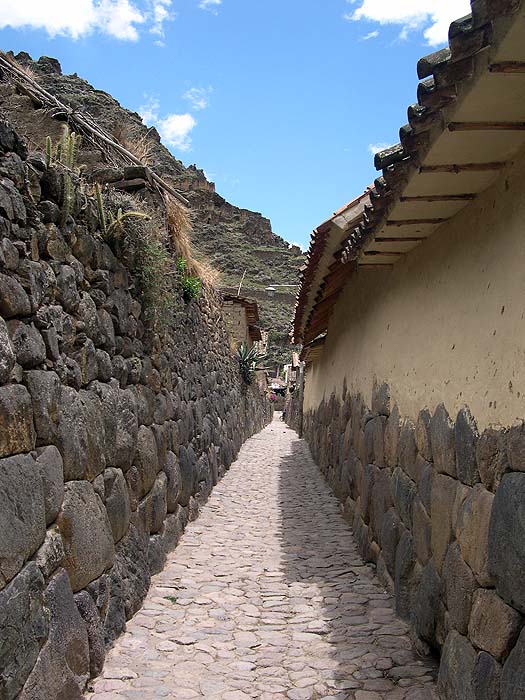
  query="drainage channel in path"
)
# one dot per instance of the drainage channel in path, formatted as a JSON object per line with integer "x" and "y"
{"x": 266, "y": 597}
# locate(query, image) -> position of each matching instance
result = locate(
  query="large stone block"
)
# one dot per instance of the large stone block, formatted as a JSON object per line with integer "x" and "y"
{"x": 146, "y": 459}
{"x": 427, "y": 604}
{"x": 381, "y": 398}
{"x": 172, "y": 470}
{"x": 87, "y": 535}
{"x": 423, "y": 434}
{"x": 381, "y": 501}
{"x": 513, "y": 676}
{"x": 442, "y": 504}
{"x": 391, "y": 438}
{"x": 117, "y": 502}
{"x": 17, "y": 433}
{"x": 486, "y": 677}
{"x": 374, "y": 448}
{"x": 187, "y": 461}
{"x": 442, "y": 441}
{"x": 516, "y": 446}
{"x": 473, "y": 532}
{"x": 422, "y": 532}
{"x": 408, "y": 449}
{"x": 494, "y": 626}
{"x": 7, "y": 353}
{"x": 62, "y": 668}
{"x": 95, "y": 633}
{"x": 404, "y": 491}
{"x": 13, "y": 299}
{"x": 154, "y": 505}
{"x": 127, "y": 430}
{"x": 491, "y": 456}
{"x": 24, "y": 623}
{"x": 456, "y": 670}
{"x": 403, "y": 574}
{"x": 466, "y": 436}
{"x": 27, "y": 343}
{"x": 459, "y": 586}
{"x": 51, "y": 468}
{"x": 45, "y": 389}
{"x": 507, "y": 540}
{"x": 22, "y": 514}
{"x": 389, "y": 539}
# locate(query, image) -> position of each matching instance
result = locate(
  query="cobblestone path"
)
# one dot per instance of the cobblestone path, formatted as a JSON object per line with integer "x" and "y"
{"x": 266, "y": 597}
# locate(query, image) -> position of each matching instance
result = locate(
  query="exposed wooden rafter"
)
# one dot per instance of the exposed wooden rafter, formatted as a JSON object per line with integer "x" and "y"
{"x": 466, "y": 197}
{"x": 462, "y": 167}
{"x": 486, "y": 126}
{"x": 399, "y": 239}
{"x": 414, "y": 222}
{"x": 508, "y": 67}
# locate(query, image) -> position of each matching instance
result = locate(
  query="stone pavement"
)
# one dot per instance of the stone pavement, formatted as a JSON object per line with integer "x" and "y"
{"x": 266, "y": 597}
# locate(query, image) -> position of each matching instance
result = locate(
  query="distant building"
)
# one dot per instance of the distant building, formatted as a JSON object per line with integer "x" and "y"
{"x": 242, "y": 320}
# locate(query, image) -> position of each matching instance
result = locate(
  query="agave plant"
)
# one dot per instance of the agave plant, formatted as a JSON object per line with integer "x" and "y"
{"x": 249, "y": 362}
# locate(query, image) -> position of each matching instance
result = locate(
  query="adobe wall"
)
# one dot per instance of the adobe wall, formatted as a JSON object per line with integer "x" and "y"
{"x": 111, "y": 436}
{"x": 447, "y": 323}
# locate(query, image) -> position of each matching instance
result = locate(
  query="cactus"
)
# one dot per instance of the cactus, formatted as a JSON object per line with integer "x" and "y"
{"x": 67, "y": 149}
{"x": 49, "y": 151}
{"x": 116, "y": 226}
{"x": 68, "y": 198}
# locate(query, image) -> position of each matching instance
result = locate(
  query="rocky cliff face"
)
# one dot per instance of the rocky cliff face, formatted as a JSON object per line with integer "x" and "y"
{"x": 111, "y": 433}
{"x": 232, "y": 239}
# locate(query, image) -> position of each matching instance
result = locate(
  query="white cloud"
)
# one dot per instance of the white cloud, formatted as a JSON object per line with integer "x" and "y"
{"x": 199, "y": 98}
{"x": 210, "y": 5}
{"x": 377, "y": 147}
{"x": 370, "y": 35}
{"x": 430, "y": 16}
{"x": 120, "y": 19}
{"x": 175, "y": 130}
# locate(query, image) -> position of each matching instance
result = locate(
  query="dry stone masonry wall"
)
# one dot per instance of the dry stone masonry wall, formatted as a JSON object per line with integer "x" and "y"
{"x": 440, "y": 509}
{"x": 110, "y": 435}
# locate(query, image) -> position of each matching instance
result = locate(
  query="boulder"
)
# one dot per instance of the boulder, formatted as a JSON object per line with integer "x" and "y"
{"x": 62, "y": 668}
{"x": 513, "y": 678}
{"x": 156, "y": 504}
{"x": 95, "y": 633}
{"x": 22, "y": 514}
{"x": 381, "y": 501}
{"x": 86, "y": 531}
{"x": 27, "y": 343}
{"x": 13, "y": 299}
{"x": 7, "y": 353}
{"x": 407, "y": 449}
{"x": 403, "y": 574}
{"x": 187, "y": 461}
{"x": 442, "y": 441}
{"x": 422, "y": 532}
{"x": 172, "y": 471}
{"x": 494, "y": 626}
{"x": 506, "y": 544}
{"x": 442, "y": 503}
{"x": 374, "y": 448}
{"x": 491, "y": 456}
{"x": 24, "y": 623}
{"x": 516, "y": 446}
{"x": 423, "y": 434}
{"x": 456, "y": 670}
{"x": 116, "y": 500}
{"x": 17, "y": 433}
{"x": 465, "y": 437}
{"x": 404, "y": 491}
{"x": 50, "y": 555}
{"x": 427, "y": 604}
{"x": 473, "y": 533}
{"x": 389, "y": 539}
{"x": 486, "y": 677}
{"x": 459, "y": 586}
{"x": 51, "y": 469}
{"x": 146, "y": 459}
{"x": 127, "y": 430}
{"x": 45, "y": 390}
{"x": 381, "y": 398}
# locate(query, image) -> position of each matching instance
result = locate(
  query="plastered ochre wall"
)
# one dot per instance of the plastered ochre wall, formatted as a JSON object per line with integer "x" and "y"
{"x": 447, "y": 322}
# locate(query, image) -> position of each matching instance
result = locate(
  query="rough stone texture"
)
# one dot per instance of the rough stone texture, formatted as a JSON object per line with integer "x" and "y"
{"x": 442, "y": 441}
{"x": 443, "y": 496}
{"x": 17, "y": 433}
{"x": 301, "y": 617}
{"x": 22, "y": 514}
{"x": 456, "y": 670}
{"x": 513, "y": 678}
{"x": 465, "y": 437}
{"x": 460, "y": 584}
{"x": 494, "y": 626}
{"x": 116, "y": 500}
{"x": 86, "y": 531}
{"x": 516, "y": 446}
{"x": 89, "y": 613}
{"x": 507, "y": 540}
{"x": 49, "y": 462}
{"x": 7, "y": 353}
{"x": 442, "y": 536}
{"x": 62, "y": 668}
{"x": 486, "y": 677}
{"x": 473, "y": 532}
{"x": 24, "y": 623}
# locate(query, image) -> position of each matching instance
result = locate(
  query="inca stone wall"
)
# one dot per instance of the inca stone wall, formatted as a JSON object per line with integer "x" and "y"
{"x": 440, "y": 509}
{"x": 110, "y": 435}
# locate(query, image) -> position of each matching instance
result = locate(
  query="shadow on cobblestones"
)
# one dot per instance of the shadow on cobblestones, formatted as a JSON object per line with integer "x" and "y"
{"x": 341, "y": 618}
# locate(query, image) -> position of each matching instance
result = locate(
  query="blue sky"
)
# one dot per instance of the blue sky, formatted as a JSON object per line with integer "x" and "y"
{"x": 281, "y": 102}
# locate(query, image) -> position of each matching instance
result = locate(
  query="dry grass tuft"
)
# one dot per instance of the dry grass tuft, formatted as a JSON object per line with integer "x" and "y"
{"x": 178, "y": 224}
{"x": 140, "y": 145}
{"x": 26, "y": 70}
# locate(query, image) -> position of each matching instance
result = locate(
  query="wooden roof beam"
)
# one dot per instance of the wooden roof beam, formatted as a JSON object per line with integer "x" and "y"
{"x": 415, "y": 222}
{"x": 486, "y": 126}
{"x": 508, "y": 67}
{"x": 457, "y": 168}
{"x": 465, "y": 197}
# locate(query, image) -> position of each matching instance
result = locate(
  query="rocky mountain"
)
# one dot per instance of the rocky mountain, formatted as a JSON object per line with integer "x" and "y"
{"x": 235, "y": 241}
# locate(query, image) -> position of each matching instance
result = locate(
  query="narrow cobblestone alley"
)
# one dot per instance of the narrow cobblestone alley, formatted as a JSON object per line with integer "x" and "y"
{"x": 266, "y": 597}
